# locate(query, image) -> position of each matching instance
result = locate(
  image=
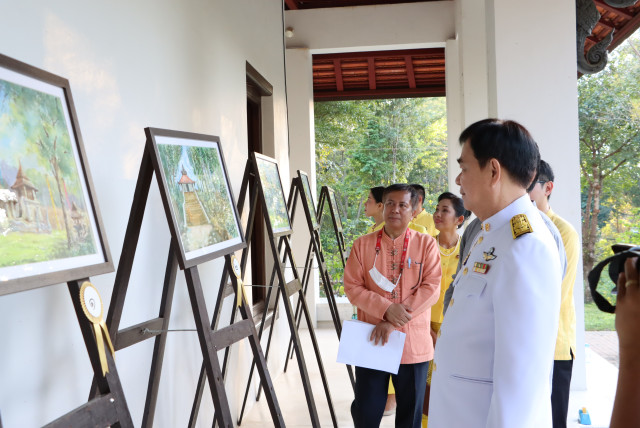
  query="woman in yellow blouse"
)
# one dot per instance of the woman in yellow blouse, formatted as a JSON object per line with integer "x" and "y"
{"x": 449, "y": 216}
{"x": 373, "y": 208}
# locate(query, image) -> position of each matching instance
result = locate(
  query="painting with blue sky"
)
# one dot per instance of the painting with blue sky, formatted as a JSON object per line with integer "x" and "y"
{"x": 198, "y": 191}
{"x": 45, "y": 221}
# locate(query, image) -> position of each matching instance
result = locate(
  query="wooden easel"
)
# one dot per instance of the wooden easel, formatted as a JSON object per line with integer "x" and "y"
{"x": 226, "y": 290}
{"x": 283, "y": 249}
{"x": 326, "y": 197}
{"x": 107, "y": 407}
{"x": 210, "y": 340}
{"x": 315, "y": 248}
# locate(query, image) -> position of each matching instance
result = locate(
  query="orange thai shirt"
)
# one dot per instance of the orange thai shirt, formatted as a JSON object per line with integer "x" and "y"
{"x": 418, "y": 288}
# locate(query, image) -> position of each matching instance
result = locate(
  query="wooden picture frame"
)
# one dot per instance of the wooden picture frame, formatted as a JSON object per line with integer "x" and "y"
{"x": 274, "y": 198}
{"x": 50, "y": 226}
{"x": 334, "y": 205}
{"x": 196, "y": 194}
{"x": 308, "y": 194}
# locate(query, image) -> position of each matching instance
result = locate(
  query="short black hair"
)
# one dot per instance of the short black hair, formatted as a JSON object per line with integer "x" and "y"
{"x": 420, "y": 189}
{"x": 458, "y": 205}
{"x": 421, "y": 194}
{"x": 544, "y": 173}
{"x": 508, "y": 142}
{"x": 402, "y": 187}
{"x": 377, "y": 192}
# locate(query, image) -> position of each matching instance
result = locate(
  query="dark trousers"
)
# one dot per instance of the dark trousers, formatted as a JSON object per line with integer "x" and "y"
{"x": 371, "y": 395}
{"x": 560, "y": 392}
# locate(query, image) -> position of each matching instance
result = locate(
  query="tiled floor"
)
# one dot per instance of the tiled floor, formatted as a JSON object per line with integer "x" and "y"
{"x": 605, "y": 344}
{"x": 601, "y": 384}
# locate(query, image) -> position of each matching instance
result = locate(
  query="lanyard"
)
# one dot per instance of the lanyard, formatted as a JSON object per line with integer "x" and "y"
{"x": 404, "y": 250}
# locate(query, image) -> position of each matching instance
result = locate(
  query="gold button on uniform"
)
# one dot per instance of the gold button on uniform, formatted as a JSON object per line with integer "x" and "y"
{"x": 480, "y": 239}
{"x": 434, "y": 366}
{"x": 451, "y": 302}
{"x": 464, "y": 272}
{"x": 440, "y": 331}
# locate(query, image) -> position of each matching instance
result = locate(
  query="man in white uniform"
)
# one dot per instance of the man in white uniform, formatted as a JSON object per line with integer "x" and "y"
{"x": 493, "y": 362}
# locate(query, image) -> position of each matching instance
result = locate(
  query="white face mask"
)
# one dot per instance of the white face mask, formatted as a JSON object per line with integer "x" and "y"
{"x": 381, "y": 280}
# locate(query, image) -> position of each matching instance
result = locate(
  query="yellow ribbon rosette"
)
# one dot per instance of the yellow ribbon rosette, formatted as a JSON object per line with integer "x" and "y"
{"x": 235, "y": 267}
{"x": 92, "y": 308}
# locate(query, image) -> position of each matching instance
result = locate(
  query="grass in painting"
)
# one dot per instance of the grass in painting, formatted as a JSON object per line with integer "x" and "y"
{"x": 32, "y": 248}
{"x": 199, "y": 196}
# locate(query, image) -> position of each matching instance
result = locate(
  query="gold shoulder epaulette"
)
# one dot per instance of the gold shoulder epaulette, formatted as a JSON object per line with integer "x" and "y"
{"x": 520, "y": 225}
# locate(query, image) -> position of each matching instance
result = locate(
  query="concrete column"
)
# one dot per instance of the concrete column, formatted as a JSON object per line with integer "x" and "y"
{"x": 466, "y": 74}
{"x": 531, "y": 78}
{"x": 472, "y": 53}
{"x": 302, "y": 152}
{"x": 455, "y": 110}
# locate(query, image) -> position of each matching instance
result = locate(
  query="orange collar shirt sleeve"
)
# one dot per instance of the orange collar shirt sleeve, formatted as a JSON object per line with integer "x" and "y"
{"x": 418, "y": 287}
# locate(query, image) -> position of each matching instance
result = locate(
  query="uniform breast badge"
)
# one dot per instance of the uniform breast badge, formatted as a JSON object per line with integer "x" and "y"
{"x": 464, "y": 262}
{"x": 480, "y": 267}
{"x": 488, "y": 255}
{"x": 520, "y": 225}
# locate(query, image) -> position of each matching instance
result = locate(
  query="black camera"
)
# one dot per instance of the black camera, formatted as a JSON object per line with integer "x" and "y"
{"x": 621, "y": 252}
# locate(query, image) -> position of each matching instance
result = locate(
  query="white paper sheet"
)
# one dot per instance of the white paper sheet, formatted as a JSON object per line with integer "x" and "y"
{"x": 357, "y": 350}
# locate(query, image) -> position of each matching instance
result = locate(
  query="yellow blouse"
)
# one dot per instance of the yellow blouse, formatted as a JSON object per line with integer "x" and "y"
{"x": 449, "y": 262}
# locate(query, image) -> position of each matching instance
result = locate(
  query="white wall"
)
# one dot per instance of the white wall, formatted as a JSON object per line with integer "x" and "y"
{"x": 302, "y": 157}
{"x": 177, "y": 65}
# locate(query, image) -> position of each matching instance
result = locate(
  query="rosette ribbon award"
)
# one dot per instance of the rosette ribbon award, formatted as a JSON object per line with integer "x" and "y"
{"x": 92, "y": 308}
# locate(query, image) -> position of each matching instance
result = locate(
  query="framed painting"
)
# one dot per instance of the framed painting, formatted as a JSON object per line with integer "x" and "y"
{"x": 273, "y": 194}
{"x": 334, "y": 205}
{"x": 50, "y": 226}
{"x": 304, "y": 179}
{"x": 196, "y": 193}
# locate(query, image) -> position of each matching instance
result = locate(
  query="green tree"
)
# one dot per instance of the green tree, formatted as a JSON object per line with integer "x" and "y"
{"x": 362, "y": 144}
{"x": 44, "y": 128}
{"x": 609, "y": 143}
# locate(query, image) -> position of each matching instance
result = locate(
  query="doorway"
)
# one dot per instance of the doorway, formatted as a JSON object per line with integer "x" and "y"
{"x": 257, "y": 89}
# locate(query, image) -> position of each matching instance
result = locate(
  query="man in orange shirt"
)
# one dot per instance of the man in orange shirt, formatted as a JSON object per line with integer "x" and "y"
{"x": 393, "y": 278}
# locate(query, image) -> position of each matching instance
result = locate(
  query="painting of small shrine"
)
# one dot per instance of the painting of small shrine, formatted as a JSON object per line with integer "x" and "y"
{"x": 199, "y": 194}
{"x": 44, "y": 206}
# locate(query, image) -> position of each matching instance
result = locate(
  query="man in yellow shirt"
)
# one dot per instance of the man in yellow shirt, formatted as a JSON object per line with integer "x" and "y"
{"x": 540, "y": 192}
{"x": 420, "y": 216}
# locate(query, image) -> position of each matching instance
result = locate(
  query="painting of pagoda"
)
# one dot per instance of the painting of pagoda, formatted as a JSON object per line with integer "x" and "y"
{"x": 199, "y": 194}
{"x": 43, "y": 201}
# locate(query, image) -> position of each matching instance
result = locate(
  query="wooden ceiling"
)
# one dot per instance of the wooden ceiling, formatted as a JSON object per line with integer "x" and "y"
{"x": 381, "y": 74}
{"x": 420, "y": 72}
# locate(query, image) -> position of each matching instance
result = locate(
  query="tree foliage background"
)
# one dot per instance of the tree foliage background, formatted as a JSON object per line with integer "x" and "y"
{"x": 609, "y": 114}
{"x": 362, "y": 144}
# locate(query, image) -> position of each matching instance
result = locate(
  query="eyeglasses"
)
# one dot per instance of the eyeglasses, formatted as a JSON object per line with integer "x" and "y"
{"x": 542, "y": 181}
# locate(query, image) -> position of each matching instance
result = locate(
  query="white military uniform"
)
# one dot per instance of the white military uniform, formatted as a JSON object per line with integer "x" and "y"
{"x": 494, "y": 357}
